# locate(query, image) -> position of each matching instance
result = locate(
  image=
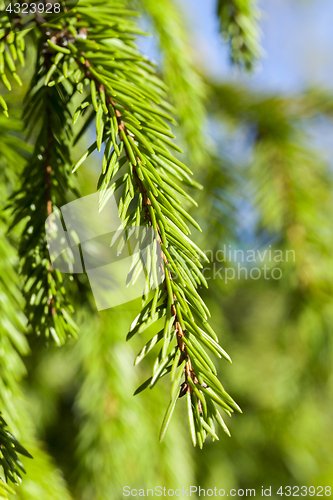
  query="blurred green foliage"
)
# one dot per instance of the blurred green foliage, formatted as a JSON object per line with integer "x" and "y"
{"x": 78, "y": 400}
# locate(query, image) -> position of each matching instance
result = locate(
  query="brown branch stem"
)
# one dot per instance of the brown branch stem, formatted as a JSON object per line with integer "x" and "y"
{"x": 189, "y": 372}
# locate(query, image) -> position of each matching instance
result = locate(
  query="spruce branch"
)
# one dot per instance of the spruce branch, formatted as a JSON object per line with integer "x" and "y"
{"x": 45, "y": 183}
{"x": 128, "y": 104}
{"x": 9, "y": 460}
{"x": 239, "y": 26}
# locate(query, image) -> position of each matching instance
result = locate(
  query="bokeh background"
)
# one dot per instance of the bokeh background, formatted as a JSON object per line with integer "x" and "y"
{"x": 261, "y": 145}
